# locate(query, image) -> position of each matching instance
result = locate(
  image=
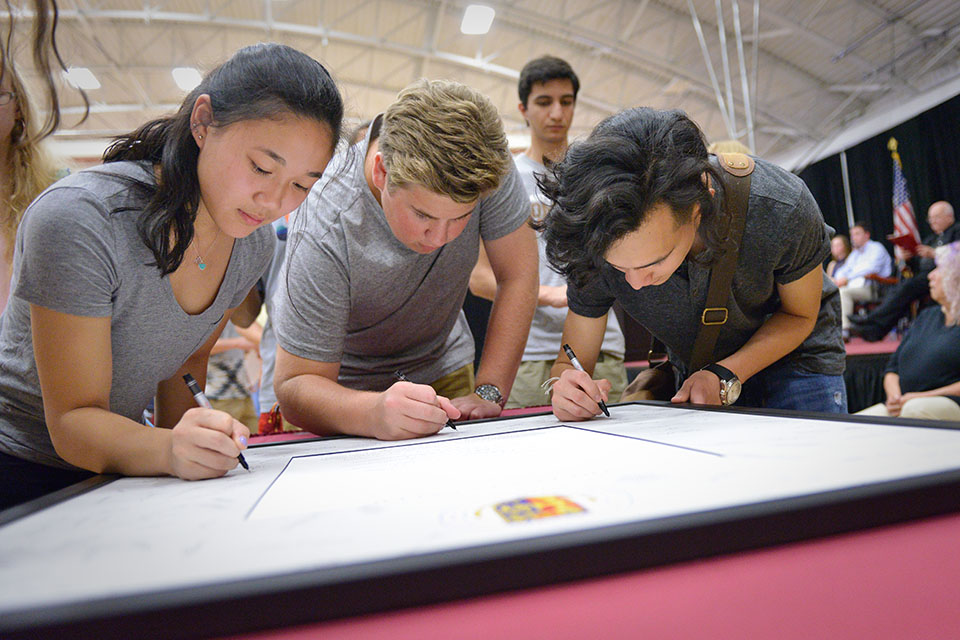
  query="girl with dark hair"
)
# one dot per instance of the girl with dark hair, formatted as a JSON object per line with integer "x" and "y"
{"x": 125, "y": 274}
{"x": 638, "y": 217}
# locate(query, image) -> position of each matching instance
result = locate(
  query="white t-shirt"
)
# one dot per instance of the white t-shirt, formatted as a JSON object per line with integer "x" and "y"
{"x": 543, "y": 343}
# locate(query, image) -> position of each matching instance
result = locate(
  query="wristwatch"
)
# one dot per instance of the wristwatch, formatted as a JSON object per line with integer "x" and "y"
{"x": 490, "y": 393}
{"x": 729, "y": 383}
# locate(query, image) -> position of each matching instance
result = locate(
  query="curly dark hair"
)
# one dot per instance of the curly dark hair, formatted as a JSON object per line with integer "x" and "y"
{"x": 606, "y": 185}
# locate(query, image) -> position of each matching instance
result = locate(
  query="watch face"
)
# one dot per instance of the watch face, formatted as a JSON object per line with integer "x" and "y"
{"x": 733, "y": 391}
{"x": 489, "y": 393}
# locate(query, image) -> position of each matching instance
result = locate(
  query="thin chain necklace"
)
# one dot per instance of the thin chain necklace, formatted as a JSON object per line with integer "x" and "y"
{"x": 199, "y": 261}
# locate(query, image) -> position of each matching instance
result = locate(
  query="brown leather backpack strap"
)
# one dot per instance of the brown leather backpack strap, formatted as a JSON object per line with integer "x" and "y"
{"x": 736, "y": 164}
{"x": 736, "y": 186}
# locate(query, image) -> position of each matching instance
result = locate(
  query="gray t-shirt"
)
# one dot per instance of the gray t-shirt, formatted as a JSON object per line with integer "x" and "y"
{"x": 79, "y": 252}
{"x": 543, "y": 343}
{"x": 784, "y": 239}
{"x": 268, "y": 340}
{"x": 351, "y": 292}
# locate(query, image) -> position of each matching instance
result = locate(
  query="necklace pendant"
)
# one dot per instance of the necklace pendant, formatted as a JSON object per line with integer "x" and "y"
{"x": 199, "y": 261}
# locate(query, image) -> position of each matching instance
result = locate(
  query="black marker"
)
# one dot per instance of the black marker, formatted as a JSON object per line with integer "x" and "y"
{"x": 201, "y": 399}
{"x": 579, "y": 367}
{"x": 403, "y": 378}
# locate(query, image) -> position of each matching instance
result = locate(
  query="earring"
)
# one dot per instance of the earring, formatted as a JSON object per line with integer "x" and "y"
{"x": 199, "y": 137}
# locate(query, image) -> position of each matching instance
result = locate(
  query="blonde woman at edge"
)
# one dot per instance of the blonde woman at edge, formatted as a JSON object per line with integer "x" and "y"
{"x": 25, "y": 169}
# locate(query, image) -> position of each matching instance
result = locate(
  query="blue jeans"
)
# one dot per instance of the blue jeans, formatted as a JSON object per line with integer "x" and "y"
{"x": 786, "y": 387}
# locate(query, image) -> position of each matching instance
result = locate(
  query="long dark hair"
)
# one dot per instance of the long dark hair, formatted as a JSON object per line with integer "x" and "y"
{"x": 605, "y": 186}
{"x": 266, "y": 80}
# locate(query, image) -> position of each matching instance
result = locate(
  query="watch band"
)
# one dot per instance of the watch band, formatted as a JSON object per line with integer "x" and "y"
{"x": 721, "y": 372}
{"x": 729, "y": 383}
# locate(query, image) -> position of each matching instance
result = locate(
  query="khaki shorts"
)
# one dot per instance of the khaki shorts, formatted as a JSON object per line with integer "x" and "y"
{"x": 241, "y": 409}
{"x": 528, "y": 392}
{"x": 456, "y": 384}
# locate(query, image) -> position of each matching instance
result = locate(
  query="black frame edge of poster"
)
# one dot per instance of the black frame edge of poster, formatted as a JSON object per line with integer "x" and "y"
{"x": 259, "y": 604}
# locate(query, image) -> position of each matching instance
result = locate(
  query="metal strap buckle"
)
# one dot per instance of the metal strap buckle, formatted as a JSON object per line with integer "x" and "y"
{"x": 656, "y": 357}
{"x": 718, "y": 316}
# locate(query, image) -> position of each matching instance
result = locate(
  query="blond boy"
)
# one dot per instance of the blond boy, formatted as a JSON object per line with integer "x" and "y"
{"x": 378, "y": 263}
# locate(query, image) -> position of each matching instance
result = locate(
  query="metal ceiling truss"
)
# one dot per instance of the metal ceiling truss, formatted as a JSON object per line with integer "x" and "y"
{"x": 518, "y": 19}
{"x": 732, "y": 87}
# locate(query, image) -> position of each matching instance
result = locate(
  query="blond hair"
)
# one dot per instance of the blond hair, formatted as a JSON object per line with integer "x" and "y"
{"x": 30, "y": 170}
{"x": 728, "y": 146}
{"x": 446, "y": 137}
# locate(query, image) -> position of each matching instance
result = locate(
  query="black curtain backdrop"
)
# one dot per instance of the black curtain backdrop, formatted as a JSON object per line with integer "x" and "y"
{"x": 825, "y": 181}
{"x": 929, "y": 146}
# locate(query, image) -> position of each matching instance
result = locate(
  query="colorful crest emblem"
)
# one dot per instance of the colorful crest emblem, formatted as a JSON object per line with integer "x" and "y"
{"x": 525, "y": 509}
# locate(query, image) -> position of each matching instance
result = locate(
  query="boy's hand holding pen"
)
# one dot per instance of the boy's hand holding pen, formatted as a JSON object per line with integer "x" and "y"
{"x": 403, "y": 378}
{"x": 411, "y": 410}
{"x": 576, "y": 396}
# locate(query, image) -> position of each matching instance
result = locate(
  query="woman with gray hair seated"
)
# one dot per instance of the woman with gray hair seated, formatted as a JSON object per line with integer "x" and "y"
{"x": 922, "y": 379}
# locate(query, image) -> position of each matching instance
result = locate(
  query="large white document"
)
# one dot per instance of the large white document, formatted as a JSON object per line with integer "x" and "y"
{"x": 331, "y": 503}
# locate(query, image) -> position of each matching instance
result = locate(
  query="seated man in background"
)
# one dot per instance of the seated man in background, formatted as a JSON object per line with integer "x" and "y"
{"x": 378, "y": 262}
{"x": 897, "y": 300}
{"x": 548, "y": 90}
{"x": 922, "y": 378}
{"x": 868, "y": 257}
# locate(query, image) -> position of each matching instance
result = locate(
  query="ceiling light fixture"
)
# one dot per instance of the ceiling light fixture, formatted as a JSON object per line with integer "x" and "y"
{"x": 187, "y": 78}
{"x": 477, "y": 20}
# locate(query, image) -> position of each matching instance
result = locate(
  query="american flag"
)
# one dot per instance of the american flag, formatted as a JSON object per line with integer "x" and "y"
{"x": 904, "y": 220}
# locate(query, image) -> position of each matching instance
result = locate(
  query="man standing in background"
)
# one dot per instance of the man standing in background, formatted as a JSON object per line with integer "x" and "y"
{"x": 548, "y": 90}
